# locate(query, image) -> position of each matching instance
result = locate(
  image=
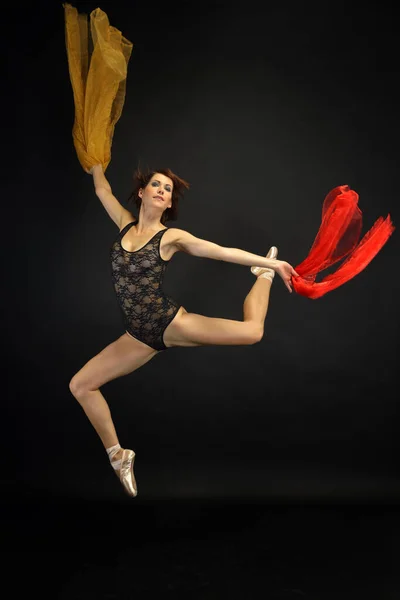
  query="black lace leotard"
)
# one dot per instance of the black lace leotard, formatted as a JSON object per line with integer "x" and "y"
{"x": 138, "y": 278}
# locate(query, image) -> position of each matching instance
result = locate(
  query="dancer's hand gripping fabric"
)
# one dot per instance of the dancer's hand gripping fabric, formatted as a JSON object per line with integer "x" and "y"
{"x": 286, "y": 272}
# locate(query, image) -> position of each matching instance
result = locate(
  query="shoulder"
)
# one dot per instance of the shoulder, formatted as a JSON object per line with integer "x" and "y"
{"x": 174, "y": 231}
{"x": 174, "y": 240}
{"x": 174, "y": 236}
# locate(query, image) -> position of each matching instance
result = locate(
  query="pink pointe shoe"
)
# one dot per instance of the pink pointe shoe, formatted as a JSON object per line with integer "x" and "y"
{"x": 264, "y": 272}
{"x": 124, "y": 471}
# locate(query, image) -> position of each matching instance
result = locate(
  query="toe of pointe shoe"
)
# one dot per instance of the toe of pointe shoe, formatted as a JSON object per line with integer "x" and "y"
{"x": 126, "y": 474}
{"x": 272, "y": 253}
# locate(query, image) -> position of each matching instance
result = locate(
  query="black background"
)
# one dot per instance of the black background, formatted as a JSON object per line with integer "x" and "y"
{"x": 263, "y": 109}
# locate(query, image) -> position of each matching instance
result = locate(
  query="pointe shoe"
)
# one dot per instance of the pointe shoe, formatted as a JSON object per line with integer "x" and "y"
{"x": 264, "y": 272}
{"x": 124, "y": 471}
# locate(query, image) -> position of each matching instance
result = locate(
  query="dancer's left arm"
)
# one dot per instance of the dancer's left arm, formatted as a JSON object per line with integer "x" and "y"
{"x": 190, "y": 244}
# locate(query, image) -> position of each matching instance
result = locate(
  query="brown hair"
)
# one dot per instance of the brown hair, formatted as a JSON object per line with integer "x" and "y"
{"x": 142, "y": 178}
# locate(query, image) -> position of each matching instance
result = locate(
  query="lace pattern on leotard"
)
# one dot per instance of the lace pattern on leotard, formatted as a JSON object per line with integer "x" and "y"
{"x": 138, "y": 277}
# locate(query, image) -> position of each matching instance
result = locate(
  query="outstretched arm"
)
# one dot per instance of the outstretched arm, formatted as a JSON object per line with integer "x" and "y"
{"x": 197, "y": 247}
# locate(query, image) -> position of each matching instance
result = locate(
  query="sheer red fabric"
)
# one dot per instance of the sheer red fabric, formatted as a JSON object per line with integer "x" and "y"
{"x": 337, "y": 238}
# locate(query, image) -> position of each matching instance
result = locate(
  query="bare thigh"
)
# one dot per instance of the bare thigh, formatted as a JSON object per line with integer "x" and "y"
{"x": 119, "y": 358}
{"x": 190, "y": 329}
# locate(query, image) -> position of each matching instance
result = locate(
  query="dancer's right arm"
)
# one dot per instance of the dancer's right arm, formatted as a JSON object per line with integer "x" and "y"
{"x": 103, "y": 191}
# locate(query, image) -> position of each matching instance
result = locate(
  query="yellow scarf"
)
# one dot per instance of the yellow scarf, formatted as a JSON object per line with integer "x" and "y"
{"x": 98, "y": 79}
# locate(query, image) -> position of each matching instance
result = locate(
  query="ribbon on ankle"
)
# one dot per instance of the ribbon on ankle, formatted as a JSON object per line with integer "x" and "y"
{"x": 112, "y": 451}
{"x": 337, "y": 238}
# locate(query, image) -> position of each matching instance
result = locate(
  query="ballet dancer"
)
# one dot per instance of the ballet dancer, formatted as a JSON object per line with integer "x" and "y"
{"x": 153, "y": 321}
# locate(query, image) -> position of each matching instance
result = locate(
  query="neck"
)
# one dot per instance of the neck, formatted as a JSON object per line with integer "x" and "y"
{"x": 148, "y": 220}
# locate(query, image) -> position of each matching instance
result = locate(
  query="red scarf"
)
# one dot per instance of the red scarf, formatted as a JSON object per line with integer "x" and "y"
{"x": 337, "y": 237}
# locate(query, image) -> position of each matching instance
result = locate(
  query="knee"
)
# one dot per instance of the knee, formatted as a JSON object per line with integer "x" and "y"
{"x": 76, "y": 388}
{"x": 259, "y": 335}
{"x": 256, "y": 334}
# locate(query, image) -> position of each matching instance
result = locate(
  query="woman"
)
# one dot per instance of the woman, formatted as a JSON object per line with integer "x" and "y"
{"x": 153, "y": 321}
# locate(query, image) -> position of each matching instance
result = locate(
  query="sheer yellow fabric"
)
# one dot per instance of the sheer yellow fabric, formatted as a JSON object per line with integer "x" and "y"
{"x": 98, "y": 81}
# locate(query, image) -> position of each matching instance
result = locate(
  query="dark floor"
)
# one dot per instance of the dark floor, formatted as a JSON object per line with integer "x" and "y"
{"x": 200, "y": 550}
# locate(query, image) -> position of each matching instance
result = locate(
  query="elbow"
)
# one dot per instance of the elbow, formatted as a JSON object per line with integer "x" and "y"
{"x": 222, "y": 253}
{"x": 101, "y": 190}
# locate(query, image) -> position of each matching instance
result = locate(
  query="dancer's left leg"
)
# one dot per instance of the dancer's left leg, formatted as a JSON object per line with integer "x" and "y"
{"x": 189, "y": 329}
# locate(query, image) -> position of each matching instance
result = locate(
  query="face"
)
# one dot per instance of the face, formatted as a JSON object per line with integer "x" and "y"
{"x": 158, "y": 192}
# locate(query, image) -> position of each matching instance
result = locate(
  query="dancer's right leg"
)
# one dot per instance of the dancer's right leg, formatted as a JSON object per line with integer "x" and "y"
{"x": 119, "y": 358}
